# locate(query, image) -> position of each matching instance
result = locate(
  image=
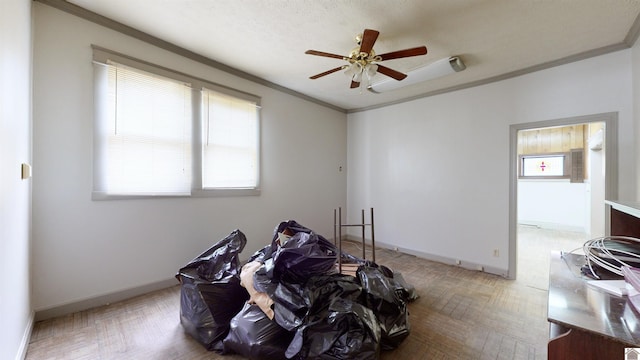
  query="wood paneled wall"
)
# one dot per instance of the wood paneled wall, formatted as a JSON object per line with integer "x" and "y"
{"x": 552, "y": 140}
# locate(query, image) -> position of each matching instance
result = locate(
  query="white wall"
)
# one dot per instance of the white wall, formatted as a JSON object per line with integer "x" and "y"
{"x": 436, "y": 169}
{"x": 553, "y": 204}
{"x": 635, "y": 76}
{"x": 15, "y": 193}
{"x": 85, "y": 249}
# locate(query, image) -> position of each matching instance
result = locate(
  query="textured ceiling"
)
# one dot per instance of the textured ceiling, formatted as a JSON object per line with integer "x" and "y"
{"x": 267, "y": 39}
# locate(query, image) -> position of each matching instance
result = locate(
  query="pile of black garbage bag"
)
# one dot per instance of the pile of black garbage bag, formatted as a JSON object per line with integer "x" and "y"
{"x": 288, "y": 301}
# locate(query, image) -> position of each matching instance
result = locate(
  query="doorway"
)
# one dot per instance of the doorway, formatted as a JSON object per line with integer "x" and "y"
{"x": 596, "y": 213}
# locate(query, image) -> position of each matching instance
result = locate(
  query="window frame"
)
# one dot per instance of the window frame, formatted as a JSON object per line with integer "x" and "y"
{"x": 101, "y": 56}
{"x": 571, "y": 171}
{"x": 565, "y": 171}
{"x": 197, "y": 188}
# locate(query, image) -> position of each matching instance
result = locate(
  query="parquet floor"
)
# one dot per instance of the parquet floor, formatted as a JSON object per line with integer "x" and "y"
{"x": 460, "y": 314}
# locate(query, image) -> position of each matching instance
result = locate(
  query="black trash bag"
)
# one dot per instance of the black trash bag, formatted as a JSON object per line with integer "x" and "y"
{"x": 408, "y": 291}
{"x": 253, "y": 335}
{"x": 281, "y": 234}
{"x": 288, "y": 228}
{"x": 304, "y": 255}
{"x": 290, "y": 305}
{"x": 402, "y": 288}
{"x": 206, "y": 308}
{"x": 321, "y": 290}
{"x": 263, "y": 280}
{"x": 347, "y": 330}
{"x": 350, "y": 259}
{"x": 262, "y": 254}
{"x": 294, "y": 302}
{"x": 221, "y": 260}
{"x": 300, "y": 252}
{"x": 210, "y": 293}
{"x": 388, "y": 304}
{"x": 299, "y": 305}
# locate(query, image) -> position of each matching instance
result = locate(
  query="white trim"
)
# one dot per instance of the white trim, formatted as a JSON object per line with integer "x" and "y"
{"x": 26, "y": 338}
{"x": 469, "y": 265}
{"x": 551, "y": 225}
{"x": 106, "y": 299}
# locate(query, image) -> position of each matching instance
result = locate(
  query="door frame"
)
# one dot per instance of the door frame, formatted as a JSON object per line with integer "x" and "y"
{"x": 610, "y": 120}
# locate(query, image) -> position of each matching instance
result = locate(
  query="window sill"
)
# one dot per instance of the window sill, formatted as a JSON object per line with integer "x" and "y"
{"x": 102, "y": 196}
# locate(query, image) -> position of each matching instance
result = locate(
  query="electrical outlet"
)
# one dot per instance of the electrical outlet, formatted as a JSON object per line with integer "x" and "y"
{"x": 496, "y": 252}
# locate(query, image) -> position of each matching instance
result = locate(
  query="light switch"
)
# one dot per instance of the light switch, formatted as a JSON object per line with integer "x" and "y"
{"x": 26, "y": 171}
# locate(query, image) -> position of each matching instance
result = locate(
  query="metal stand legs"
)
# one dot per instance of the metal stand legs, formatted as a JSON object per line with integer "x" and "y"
{"x": 337, "y": 227}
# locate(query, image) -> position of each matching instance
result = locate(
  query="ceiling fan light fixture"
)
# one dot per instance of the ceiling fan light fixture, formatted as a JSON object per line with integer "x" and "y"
{"x": 357, "y": 77}
{"x": 371, "y": 69}
{"x": 352, "y": 69}
{"x": 362, "y": 74}
{"x": 439, "y": 68}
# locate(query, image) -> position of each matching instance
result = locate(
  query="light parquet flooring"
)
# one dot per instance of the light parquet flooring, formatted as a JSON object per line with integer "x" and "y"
{"x": 461, "y": 314}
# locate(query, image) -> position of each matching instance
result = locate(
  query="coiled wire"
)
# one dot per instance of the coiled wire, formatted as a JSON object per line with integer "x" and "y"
{"x": 611, "y": 253}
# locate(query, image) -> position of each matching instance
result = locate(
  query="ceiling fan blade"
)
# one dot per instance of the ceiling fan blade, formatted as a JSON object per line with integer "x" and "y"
{"x": 354, "y": 84}
{"x": 391, "y": 73}
{"x": 421, "y": 50}
{"x": 369, "y": 38}
{"x": 326, "y": 73}
{"x": 325, "y": 54}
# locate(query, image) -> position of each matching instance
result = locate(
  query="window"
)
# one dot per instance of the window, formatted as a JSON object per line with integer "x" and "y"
{"x": 145, "y": 131}
{"x": 163, "y": 133}
{"x": 569, "y": 165}
{"x": 230, "y": 135}
{"x": 545, "y": 166}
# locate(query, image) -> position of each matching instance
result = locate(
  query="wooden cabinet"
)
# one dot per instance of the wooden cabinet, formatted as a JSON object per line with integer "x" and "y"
{"x": 571, "y": 343}
{"x": 625, "y": 218}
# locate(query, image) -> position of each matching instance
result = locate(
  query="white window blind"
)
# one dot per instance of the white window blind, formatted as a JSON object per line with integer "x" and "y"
{"x": 160, "y": 132}
{"x": 145, "y": 136}
{"x": 230, "y": 141}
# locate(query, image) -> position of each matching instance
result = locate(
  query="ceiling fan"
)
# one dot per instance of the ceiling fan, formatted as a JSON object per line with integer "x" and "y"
{"x": 363, "y": 63}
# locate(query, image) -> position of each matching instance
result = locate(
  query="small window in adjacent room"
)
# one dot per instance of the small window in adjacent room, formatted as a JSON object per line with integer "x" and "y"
{"x": 569, "y": 165}
{"x": 162, "y": 133}
{"x": 544, "y": 166}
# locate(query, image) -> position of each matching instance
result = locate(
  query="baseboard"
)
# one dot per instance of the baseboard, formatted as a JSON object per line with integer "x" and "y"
{"x": 26, "y": 338}
{"x": 72, "y": 307}
{"x": 437, "y": 258}
{"x": 552, "y": 226}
